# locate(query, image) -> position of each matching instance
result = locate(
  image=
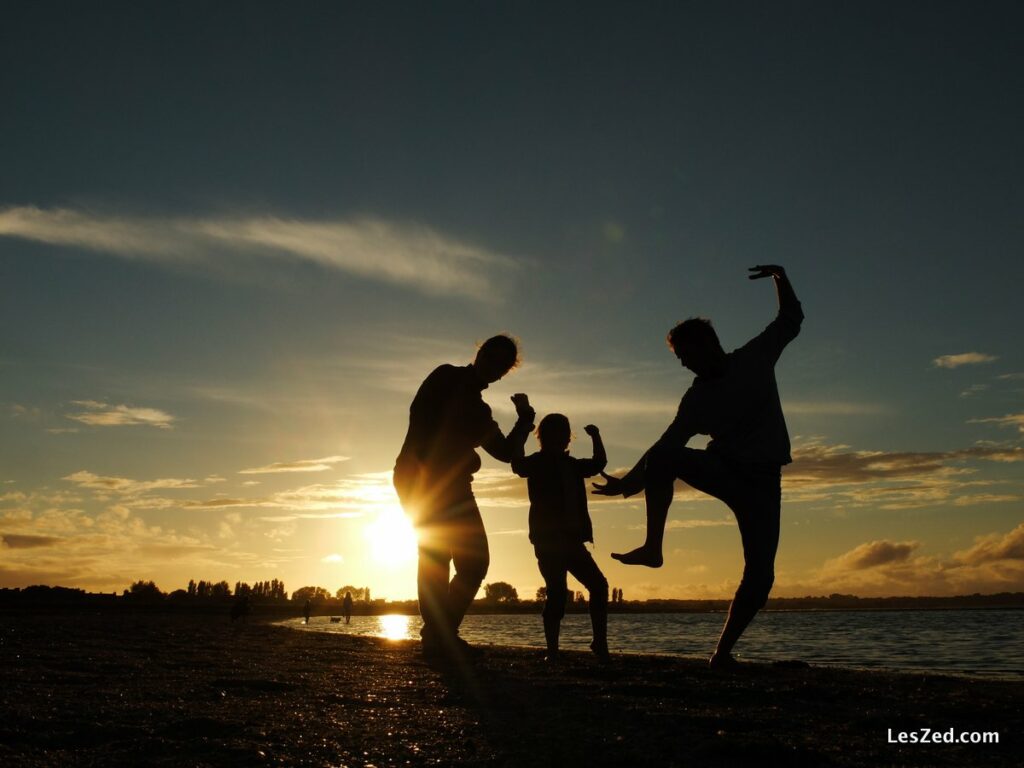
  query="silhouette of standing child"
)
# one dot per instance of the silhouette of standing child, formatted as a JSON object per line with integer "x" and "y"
{"x": 560, "y": 525}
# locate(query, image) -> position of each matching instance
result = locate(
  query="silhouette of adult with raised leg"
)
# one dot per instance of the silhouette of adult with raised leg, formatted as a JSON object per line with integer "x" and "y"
{"x": 448, "y": 420}
{"x": 735, "y": 400}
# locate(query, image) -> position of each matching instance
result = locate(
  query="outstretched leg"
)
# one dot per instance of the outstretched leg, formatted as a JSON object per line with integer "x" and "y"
{"x": 659, "y": 478}
{"x": 699, "y": 469}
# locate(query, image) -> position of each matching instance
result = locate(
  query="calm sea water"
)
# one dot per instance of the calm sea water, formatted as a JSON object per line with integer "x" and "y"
{"x": 975, "y": 642}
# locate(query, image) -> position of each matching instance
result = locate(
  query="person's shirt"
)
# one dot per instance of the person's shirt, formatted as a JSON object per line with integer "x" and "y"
{"x": 558, "y": 496}
{"x": 448, "y": 420}
{"x": 740, "y": 410}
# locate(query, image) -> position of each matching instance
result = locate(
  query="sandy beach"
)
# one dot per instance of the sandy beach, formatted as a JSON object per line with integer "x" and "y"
{"x": 188, "y": 690}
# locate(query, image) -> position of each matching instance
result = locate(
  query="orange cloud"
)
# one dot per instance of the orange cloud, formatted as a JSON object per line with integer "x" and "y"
{"x": 873, "y": 554}
{"x": 965, "y": 358}
{"x": 995, "y": 547}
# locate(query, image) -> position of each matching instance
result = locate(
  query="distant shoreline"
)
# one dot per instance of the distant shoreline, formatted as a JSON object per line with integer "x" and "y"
{"x": 33, "y": 599}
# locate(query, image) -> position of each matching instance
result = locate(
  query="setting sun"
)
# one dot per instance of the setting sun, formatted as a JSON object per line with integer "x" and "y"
{"x": 391, "y": 537}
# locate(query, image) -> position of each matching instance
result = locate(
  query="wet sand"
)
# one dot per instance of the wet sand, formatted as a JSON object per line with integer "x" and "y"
{"x": 186, "y": 690}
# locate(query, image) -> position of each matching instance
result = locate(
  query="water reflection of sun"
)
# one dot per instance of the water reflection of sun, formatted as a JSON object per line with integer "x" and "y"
{"x": 395, "y": 627}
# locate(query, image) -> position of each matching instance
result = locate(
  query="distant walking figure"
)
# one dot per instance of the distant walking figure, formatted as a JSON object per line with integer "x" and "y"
{"x": 448, "y": 420}
{"x": 346, "y": 607}
{"x": 240, "y": 608}
{"x": 560, "y": 524}
{"x": 735, "y": 400}
{"x": 306, "y": 610}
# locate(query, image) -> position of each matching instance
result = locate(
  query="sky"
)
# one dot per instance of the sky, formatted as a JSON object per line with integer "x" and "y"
{"x": 235, "y": 237}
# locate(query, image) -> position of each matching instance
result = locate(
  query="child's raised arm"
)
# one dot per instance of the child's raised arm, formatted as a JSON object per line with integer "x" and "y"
{"x": 518, "y": 439}
{"x": 599, "y": 461}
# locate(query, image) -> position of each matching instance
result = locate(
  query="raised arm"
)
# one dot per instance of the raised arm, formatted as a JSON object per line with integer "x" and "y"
{"x": 785, "y": 327}
{"x": 506, "y": 448}
{"x": 789, "y": 304}
{"x": 600, "y": 457}
{"x": 597, "y": 462}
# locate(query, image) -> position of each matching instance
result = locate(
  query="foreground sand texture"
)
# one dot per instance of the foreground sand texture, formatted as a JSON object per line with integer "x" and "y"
{"x": 196, "y": 691}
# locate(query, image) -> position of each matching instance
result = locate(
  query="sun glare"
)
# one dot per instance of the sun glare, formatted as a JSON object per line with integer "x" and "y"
{"x": 395, "y": 627}
{"x": 391, "y": 537}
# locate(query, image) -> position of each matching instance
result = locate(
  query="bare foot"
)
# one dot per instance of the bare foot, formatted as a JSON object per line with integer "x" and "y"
{"x": 640, "y": 556}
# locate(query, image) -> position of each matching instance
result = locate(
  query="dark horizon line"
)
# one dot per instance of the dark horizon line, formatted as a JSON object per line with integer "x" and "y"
{"x": 834, "y": 597}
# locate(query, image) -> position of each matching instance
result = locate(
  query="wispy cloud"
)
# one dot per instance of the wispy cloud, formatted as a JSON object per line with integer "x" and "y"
{"x": 16, "y": 541}
{"x": 410, "y": 255}
{"x": 974, "y": 389}
{"x": 302, "y": 465}
{"x": 100, "y": 414}
{"x": 1009, "y": 420}
{"x": 891, "y": 480}
{"x": 975, "y": 499}
{"x": 816, "y": 463}
{"x": 686, "y": 524}
{"x": 85, "y": 479}
{"x": 964, "y": 358}
{"x": 833, "y": 408}
{"x": 28, "y": 413}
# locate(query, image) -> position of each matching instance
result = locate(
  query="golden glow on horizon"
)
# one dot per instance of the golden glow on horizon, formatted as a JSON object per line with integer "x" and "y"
{"x": 391, "y": 537}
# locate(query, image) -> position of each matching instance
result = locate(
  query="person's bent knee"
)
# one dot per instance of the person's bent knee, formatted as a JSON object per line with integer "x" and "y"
{"x": 599, "y": 591}
{"x": 661, "y": 462}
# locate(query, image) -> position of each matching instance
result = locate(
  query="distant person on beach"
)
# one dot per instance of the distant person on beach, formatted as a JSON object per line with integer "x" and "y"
{"x": 240, "y": 608}
{"x": 306, "y": 609}
{"x": 735, "y": 400}
{"x": 346, "y": 607}
{"x": 560, "y": 526}
{"x": 448, "y": 420}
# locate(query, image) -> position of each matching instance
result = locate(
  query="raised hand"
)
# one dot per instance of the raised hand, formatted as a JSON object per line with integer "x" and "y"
{"x": 522, "y": 404}
{"x": 591, "y": 430}
{"x": 612, "y": 486}
{"x": 766, "y": 270}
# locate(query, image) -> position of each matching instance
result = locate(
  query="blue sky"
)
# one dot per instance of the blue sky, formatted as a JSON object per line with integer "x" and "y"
{"x": 237, "y": 237}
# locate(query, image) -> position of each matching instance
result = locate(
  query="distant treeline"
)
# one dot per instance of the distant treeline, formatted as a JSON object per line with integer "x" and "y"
{"x": 270, "y": 597}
